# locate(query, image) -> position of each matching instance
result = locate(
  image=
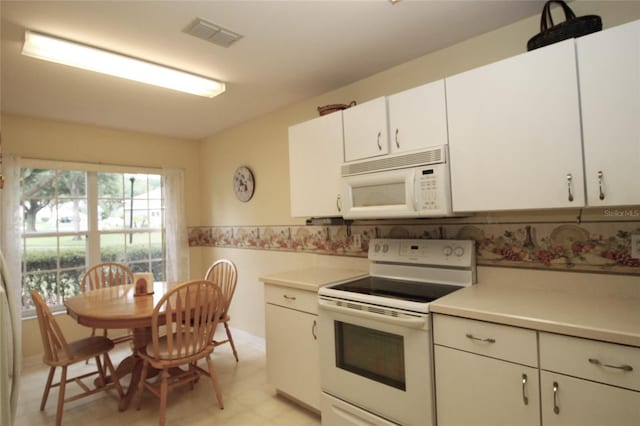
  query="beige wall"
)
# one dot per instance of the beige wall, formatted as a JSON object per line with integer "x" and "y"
{"x": 262, "y": 145}
{"x": 50, "y": 140}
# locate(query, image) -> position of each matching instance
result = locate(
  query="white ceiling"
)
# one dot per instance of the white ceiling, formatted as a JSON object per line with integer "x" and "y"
{"x": 291, "y": 51}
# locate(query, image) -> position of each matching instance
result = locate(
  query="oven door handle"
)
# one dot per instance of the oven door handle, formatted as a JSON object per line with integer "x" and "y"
{"x": 417, "y": 322}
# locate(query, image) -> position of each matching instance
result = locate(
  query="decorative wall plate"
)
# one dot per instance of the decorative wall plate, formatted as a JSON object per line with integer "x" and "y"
{"x": 243, "y": 183}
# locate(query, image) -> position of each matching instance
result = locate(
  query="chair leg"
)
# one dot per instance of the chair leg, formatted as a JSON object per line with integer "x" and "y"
{"x": 233, "y": 346}
{"x": 45, "y": 394}
{"x": 63, "y": 383}
{"x": 214, "y": 380}
{"x": 143, "y": 379}
{"x": 164, "y": 387}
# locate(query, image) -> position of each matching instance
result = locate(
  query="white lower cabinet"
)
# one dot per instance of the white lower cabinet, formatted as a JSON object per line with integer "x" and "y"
{"x": 588, "y": 383}
{"x": 475, "y": 390}
{"x": 568, "y": 401}
{"x": 485, "y": 375}
{"x": 293, "y": 361}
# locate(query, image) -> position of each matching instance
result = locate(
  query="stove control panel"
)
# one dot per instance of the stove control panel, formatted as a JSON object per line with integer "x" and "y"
{"x": 458, "y": 253}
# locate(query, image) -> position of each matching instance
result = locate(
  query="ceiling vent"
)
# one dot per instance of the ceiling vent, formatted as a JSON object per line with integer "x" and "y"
{"x": 212, "y": 33}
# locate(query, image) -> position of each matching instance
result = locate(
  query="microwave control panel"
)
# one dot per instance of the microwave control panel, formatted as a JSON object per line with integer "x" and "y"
{"x": 432, "y": 189}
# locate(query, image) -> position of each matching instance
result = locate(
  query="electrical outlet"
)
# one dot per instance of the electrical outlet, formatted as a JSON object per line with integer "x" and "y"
{"x": 357, "y": 241}
{"x": 635, "y": 246}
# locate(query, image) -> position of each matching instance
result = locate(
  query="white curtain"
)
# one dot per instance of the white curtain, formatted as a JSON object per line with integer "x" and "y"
{"x": 177, "y": 240}
{"x": 10, "y": 283}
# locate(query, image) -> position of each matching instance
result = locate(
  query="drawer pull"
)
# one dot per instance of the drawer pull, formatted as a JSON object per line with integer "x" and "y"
{"x": 624, "y": 367}
{"x": 486, "y": 340}
{"x": 525, "y": 398}
{"x": 314, "y": 327}
{"x": 556, "y": 407}
{"x": 289, "y": 297}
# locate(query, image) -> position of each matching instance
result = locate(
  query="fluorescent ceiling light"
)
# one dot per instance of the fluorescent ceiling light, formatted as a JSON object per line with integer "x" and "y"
{"x": 66, "y": 52}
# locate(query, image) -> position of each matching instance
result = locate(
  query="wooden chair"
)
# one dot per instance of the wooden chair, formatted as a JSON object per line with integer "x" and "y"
{"x": 103, "y": 275}
{"x": 224, "y": 273}
{"x": 189, "y": 314}
{"x": 59, "y": 353}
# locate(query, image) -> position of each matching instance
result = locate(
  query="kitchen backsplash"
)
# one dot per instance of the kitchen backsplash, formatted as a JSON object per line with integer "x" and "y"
{"x": 598, "y": 246}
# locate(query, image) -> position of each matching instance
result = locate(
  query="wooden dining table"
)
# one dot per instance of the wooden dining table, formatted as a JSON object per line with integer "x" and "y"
{"x": 118, "y": 307}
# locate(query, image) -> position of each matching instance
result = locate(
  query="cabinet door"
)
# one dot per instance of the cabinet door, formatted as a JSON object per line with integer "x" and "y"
{"x": 293, "y": 361}
{"x": 514, "y": 133}
{"x": 365, "y": 130}
{"x": 585, "y": 403}
{"x": 609, "y": 70}
{"x": 418, "y": 118}
{"x": 475, "y": 390}
{"x": 315, "y": 157}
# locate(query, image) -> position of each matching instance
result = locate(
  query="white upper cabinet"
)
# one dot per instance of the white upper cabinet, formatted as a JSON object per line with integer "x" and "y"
{"x": 514, "y": 133}
{"x": 418, "y": 118}
{"x": 315, "y": 157}
{"x": 365, "y": 130}
{"x": 609, "y": 72}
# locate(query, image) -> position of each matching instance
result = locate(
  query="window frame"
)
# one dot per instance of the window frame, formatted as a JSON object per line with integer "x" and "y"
{"x": 92, "y": 232}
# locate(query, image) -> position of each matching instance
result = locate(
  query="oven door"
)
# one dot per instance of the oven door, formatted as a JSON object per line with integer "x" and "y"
{"x": 377, "y": 360}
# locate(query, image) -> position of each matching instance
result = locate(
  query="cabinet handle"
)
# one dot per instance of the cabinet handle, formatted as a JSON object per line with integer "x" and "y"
{"x": 556, "y": 407}
{"x": 314, "y": 327}
{"x": 569, "y": 179}
{"x": 600, "y": 178}
{"x": 379, "y": 145}
{"x": 397, "y": 141}
{"x": 525, "y": 398}
{"x": 486, "y": 340}
{"x": 623, "y": 367}
{"x": 339, "y": 203}
{"x": 289, "y": 297}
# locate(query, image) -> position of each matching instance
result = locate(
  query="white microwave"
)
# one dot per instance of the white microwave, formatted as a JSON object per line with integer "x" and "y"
{"x": 405, "y": 186}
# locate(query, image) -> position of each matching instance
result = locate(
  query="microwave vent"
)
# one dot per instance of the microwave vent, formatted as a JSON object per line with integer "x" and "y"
{"x": 431, "y": 156}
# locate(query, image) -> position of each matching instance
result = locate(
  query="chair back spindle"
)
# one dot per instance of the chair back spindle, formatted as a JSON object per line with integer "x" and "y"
{"x": 53, "y": 341}
{"x": 224, "y": 273}
{"x": 190, "y": 315}
{"x": 107, "y": 274}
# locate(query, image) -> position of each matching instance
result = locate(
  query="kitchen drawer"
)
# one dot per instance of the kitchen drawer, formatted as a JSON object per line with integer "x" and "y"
{"x": 301, "y": 300}
{"x": 591, "y": 359}
{"x": 498, "y": 341}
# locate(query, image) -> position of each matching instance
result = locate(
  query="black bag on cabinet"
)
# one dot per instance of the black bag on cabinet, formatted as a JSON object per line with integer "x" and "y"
{"x": 572, "y": 26}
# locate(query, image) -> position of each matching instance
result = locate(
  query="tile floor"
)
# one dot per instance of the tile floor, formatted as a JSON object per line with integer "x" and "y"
{"x": 248, "y": 399}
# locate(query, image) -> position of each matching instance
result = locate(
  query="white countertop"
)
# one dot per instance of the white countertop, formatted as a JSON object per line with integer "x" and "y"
{"x": 601, "y": 316}
{"x": 311, "y": 279}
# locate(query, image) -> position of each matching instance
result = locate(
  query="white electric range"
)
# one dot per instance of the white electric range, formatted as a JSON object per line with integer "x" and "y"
{"x": 375, "y": 356}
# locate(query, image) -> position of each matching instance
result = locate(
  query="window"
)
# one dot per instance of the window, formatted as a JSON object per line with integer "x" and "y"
{"x": 75, "y": 217}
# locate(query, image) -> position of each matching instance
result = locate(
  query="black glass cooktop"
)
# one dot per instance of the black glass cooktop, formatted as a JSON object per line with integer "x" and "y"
{"x": 397, "y": 289}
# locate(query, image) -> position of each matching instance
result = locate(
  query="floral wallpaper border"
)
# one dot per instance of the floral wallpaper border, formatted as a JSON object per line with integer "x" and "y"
{"x": 599, "y": 246}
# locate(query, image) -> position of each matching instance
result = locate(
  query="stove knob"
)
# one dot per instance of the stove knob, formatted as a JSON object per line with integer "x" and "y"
{"x": 385, "y": 248}
{"x": 447, "y": 250}
{"x": 458, "y": 251}
{"x": 376, "y": 248}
